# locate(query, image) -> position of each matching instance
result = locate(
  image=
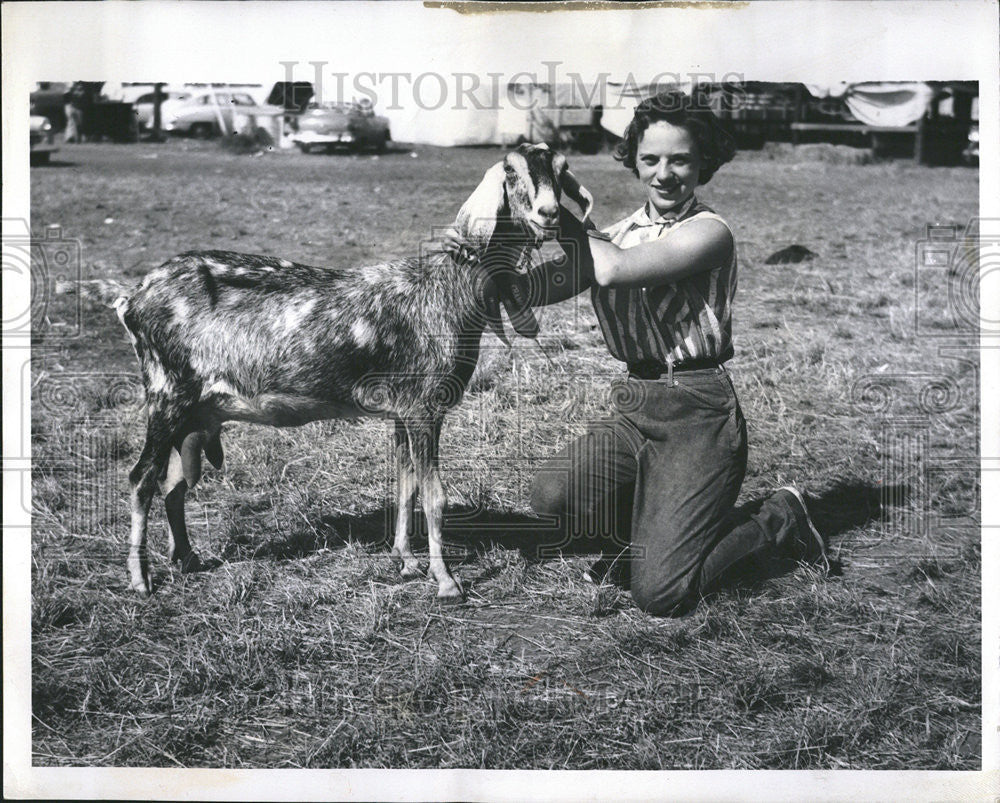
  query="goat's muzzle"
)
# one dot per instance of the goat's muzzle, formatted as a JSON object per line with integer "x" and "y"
{"x": 544, "y": 220}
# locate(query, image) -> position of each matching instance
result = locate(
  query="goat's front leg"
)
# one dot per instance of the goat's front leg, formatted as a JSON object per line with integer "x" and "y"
{"x": 424, "y": 437}
{"x": 406, "y": 480}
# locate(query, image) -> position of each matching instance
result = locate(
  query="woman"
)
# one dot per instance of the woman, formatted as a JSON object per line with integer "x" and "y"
{"x": 664, "y": 475}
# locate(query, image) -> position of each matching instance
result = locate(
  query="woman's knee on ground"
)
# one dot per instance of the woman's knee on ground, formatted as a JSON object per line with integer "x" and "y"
{"x": 657, "y": 595}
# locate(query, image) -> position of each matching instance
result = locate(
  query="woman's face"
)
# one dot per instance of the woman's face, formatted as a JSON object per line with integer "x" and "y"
{"x": 669, "y": 162}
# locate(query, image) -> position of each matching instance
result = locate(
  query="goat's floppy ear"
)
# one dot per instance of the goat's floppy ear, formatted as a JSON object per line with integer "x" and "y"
{"x": 477, "y": 219}
{"x": 574, "y": 189}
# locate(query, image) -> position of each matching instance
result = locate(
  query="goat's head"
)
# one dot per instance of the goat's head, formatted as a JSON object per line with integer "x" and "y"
{"x": 520, "y": 197}
{"x": 524, "y": 191}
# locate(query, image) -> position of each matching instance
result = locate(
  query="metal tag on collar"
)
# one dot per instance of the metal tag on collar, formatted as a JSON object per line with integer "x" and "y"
{"x": 527, "y": 259}
{"x": 468, "y": 254}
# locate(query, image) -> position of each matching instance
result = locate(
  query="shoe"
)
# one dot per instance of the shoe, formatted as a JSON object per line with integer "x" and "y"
{"x": 808, "y": 544}
{"x": 610, "y": 569}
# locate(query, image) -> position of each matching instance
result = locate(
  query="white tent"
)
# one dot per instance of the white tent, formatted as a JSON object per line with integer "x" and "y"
{"x": 492, "y": 115}
{"x": 889, "y": 104}
{"x": 444, "y": 126}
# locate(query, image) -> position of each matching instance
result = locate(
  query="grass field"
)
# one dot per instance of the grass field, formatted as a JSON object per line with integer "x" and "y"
{"x": 304, "y": 649}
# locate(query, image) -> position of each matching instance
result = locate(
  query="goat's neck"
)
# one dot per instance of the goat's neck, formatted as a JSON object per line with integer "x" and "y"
{"x": 506, "y": 250}
{"x": 507, "y": 247}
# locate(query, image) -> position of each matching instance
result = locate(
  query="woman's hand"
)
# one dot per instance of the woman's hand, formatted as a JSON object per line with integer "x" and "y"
{"x": 455, "y": 247}
{"x": 566, "y": 276}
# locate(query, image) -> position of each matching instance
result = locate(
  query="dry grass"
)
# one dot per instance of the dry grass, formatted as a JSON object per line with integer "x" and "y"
{"x": 304, "y": 649}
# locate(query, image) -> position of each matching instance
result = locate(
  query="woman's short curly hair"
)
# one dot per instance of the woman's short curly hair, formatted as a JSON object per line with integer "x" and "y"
{"x": 715, "y": 144}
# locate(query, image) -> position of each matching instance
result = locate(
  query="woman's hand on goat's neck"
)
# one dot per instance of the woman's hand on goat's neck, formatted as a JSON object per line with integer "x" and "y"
{"x": 453, "y": 244}
{"x": 695, "y": 247}
{"x": 562, "y": 278}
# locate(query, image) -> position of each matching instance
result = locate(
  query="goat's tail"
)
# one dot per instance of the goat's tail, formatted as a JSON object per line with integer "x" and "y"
{"x": 191, "y": 450}
{"x": 103, "y": 291}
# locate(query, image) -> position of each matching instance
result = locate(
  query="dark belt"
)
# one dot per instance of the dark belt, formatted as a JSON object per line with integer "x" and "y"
{"x": 654, "y": 369}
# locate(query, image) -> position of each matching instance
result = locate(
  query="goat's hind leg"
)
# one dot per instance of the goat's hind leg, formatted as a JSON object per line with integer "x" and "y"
{"x": 183, "y": 472}
{"x": 406, "y": 491}
{"x": 165, "y": 417}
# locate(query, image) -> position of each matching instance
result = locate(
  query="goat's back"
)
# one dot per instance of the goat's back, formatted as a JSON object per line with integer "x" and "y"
{"x": 383, "y": 334}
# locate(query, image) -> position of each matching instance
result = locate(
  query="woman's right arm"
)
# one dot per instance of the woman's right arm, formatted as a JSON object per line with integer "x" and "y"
{"x": 563, "y": 277}
{"x": 556, "y": 279}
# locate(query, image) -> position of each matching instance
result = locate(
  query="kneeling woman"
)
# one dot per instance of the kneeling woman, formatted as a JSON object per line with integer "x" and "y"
{"x": 669, "y": 467}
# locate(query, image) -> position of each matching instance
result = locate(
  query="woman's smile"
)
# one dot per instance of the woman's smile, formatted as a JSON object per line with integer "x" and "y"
{"x": 666, "y": 190}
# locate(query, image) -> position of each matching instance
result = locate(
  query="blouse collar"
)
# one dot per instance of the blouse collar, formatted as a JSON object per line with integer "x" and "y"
{"x": 641, "y": 216}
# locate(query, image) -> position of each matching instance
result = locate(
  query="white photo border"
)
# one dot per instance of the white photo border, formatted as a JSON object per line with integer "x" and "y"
{"x": 815, "y": 42}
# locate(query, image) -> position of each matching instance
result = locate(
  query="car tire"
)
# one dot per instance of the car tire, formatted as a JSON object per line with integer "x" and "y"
{"x": 202, "y": 130}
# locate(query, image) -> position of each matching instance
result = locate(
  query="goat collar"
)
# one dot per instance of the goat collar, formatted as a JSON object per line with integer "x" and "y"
{"x": 487, "y": 297}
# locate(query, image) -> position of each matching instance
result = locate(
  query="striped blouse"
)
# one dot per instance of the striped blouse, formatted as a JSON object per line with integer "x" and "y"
{"x": 690, "y": 319}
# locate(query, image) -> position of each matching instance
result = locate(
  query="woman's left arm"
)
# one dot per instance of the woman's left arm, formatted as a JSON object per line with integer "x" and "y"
{"x": 695, "y": 247}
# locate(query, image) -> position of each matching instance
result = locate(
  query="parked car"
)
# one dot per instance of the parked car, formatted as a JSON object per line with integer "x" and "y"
{"x": 198, "y": 115}
{"x": 326, "y": 126}
{"x": 42, "y": 138}
{"x": 144, "y": 106}
{"x": 49, "y": 100}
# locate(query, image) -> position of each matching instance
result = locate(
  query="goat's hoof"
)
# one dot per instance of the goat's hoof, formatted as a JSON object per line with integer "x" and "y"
{"x": 408, "y": 566}
{"x": 191, "y": 563}
{"x": 450, "y": 593}
{"x": 139, "y": 578}
{"x": 143, "y": 586}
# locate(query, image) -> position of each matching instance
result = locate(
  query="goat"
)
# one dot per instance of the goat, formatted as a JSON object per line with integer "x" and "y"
{"x": 222, "y": 336}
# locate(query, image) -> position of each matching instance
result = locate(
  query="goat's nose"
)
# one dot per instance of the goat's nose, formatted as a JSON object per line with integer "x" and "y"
{"x": 549, "y": 211}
